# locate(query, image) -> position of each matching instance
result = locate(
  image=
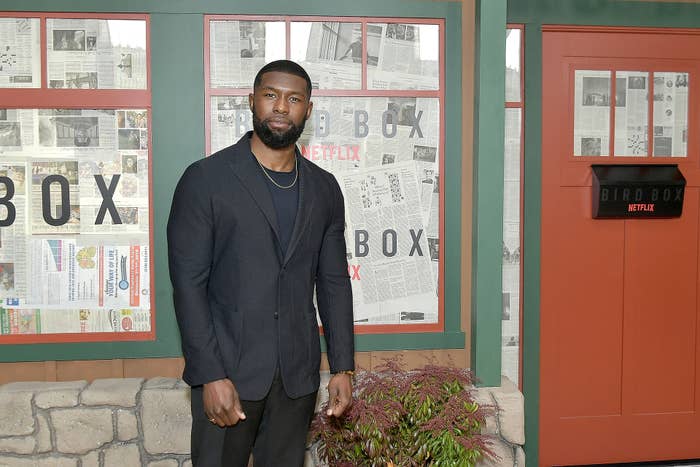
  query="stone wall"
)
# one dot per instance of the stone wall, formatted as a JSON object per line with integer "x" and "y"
{"x": 137, "y": 422}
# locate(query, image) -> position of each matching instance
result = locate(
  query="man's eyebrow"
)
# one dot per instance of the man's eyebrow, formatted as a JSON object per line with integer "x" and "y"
{"x": 281, "y": 91}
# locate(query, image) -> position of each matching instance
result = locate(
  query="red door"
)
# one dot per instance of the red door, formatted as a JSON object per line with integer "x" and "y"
{"x": 619, "y": 342}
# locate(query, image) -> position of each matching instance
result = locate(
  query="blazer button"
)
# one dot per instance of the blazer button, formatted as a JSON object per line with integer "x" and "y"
{"x": 276, "y": 315}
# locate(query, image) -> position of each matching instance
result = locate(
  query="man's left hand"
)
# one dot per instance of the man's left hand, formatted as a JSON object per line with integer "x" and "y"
{"x": 339, "y": 394}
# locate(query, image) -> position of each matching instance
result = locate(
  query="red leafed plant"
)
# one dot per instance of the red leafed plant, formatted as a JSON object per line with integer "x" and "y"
{"x": 406, "y": 418}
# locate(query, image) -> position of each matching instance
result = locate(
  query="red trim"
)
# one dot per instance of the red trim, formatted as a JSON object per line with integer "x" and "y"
{"x": 36, "y": 98}
{"x": 334, "y": 93}
{"x": 76, "y": 337}
{"x": 209, "y": 92}
{"x": 617, "y": 29}
{"x": 31, "y": 98}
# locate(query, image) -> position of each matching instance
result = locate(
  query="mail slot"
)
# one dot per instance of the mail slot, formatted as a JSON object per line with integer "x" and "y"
{"x": 634, "y": 191}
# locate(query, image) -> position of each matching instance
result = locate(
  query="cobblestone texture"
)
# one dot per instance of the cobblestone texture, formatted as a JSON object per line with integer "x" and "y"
{"x": 132, "y": 422}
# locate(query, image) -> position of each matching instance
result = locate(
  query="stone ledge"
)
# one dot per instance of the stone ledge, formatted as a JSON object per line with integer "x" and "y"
{"x": 113, "y": 391}
{"x": 137, "y": 422}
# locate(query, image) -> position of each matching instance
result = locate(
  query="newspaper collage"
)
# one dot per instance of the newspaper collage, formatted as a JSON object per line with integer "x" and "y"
{"x": 96, "y": 54}
{"x": 510, "y": 319}
{"x": 74, "y": 205}
{"x": 671, "y": 114}
{"x": 384, "y": 152}
{"x": 592, "y": 113}
{"x": 238, "y": 49}
{"x": 403, "y": 56}
{"x": 331, "y": 52}
{"x": 632, "y": 90}
{"x": 20, "y": 56}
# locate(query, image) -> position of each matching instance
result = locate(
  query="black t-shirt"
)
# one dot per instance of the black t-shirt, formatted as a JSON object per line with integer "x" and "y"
{"x": 286, "y": 201}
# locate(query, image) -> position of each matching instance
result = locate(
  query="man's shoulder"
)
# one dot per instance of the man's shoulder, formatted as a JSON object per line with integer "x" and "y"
{"x": 225, "y": 155}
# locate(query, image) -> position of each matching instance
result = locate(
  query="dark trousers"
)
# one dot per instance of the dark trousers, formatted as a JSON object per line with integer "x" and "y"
{"x": 275, "y": 429}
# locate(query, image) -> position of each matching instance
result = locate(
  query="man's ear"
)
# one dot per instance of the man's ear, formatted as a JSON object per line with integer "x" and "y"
{"x": 250, "y": 101}
{"x": 308, "y": 111}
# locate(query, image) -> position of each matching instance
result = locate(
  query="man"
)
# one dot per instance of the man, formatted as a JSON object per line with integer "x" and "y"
{"x": 252, "y": 230}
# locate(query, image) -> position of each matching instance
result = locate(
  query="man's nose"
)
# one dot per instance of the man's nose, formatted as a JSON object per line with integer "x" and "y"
{"x": 281, "y": 106}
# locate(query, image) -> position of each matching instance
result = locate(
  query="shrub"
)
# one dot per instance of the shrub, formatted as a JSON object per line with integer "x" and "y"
{"x": 406, "y": 418}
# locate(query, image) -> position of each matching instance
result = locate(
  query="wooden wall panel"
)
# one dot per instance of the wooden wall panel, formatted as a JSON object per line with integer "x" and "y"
{"x": 73, "y": 370}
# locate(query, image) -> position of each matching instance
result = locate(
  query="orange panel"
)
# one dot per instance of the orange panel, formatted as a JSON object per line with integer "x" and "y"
{"x": 661, "y": 264}
{"x": 619, "y": 327}
{"x": 584, "y": 282}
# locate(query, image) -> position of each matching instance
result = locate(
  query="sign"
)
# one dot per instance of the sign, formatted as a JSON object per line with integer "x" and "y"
{"x": 633, "y": 191}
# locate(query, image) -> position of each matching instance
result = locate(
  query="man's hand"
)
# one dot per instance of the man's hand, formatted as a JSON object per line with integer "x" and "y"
{"x": 221, "y": 403}
{"x": 339, "y": 394}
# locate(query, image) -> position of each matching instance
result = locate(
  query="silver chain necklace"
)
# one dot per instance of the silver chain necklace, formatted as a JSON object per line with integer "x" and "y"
{"x": 296, "y": 174}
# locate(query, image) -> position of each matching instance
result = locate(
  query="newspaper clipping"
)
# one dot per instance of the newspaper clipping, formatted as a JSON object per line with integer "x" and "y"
{"x": 592, "y": 113}
{"x": 403, "y": 56}
{"x": 671, "y": 114}
{"x": 510, "y": 319}
{"x": 20, "y": 56}
{"x": 238, "y": 49}
{"x": 331, "y": 52}
{"x": 74, "y": 210}
{"x": 96, "y": 54}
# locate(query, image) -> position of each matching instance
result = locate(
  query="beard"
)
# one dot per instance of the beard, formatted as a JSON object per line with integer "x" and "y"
{"x": 274, "y": 139}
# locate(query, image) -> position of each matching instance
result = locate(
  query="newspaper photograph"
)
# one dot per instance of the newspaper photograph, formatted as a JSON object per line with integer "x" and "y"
{"x": 96, "y": 54}
{"x": 238, "y": 49}
{"x": 20, "y": 54}
{"x": 403, "y": 56}
{"x": 592, "y": 113}
{"x": 331, "y": 52}
{"x": 670, "y": 114}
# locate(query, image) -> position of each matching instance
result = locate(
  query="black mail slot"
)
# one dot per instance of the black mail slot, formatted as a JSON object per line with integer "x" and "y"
{"x": 632, "y": 191}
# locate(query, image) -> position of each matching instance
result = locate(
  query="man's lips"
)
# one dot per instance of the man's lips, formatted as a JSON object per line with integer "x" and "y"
{"x": 278, "y": 123}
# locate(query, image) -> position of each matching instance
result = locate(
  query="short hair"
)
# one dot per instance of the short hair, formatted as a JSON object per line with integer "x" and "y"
{"x": 284, "y": 66}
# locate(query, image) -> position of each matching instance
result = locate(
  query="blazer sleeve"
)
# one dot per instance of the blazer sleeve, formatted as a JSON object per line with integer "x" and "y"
{"x": 333, "y": 290}
{"x": 190, "y": 253}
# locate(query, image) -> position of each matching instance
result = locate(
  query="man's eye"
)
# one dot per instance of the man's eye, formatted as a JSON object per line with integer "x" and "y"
{"x": 294, "y": 99}
{"x": 269, "y": 94}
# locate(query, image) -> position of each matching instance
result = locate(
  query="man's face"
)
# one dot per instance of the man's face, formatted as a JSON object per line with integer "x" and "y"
{"x": 280, "y": 107}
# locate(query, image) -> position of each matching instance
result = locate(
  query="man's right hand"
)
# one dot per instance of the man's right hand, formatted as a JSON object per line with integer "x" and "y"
{"x": 221, "y": 403}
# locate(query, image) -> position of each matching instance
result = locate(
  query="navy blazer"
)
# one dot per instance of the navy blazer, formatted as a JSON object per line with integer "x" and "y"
{"x": 241, "y": 306}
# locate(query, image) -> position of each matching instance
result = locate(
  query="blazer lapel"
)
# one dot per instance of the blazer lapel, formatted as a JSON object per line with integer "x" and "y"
{"x": 306, "y": 203}
{"x": 244, "y": 166}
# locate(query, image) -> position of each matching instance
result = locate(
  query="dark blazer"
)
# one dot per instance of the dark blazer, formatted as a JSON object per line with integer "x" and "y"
{"x": 241, "y": 306}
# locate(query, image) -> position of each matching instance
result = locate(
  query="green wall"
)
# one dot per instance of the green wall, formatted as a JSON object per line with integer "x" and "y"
{"x": 178, "y": 139}
{"x": 535, "y": 13}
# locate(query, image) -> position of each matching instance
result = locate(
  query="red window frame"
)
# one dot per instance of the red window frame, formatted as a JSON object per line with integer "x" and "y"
{"x": 47, "y": 98}
{"x": 439, "y": 93}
